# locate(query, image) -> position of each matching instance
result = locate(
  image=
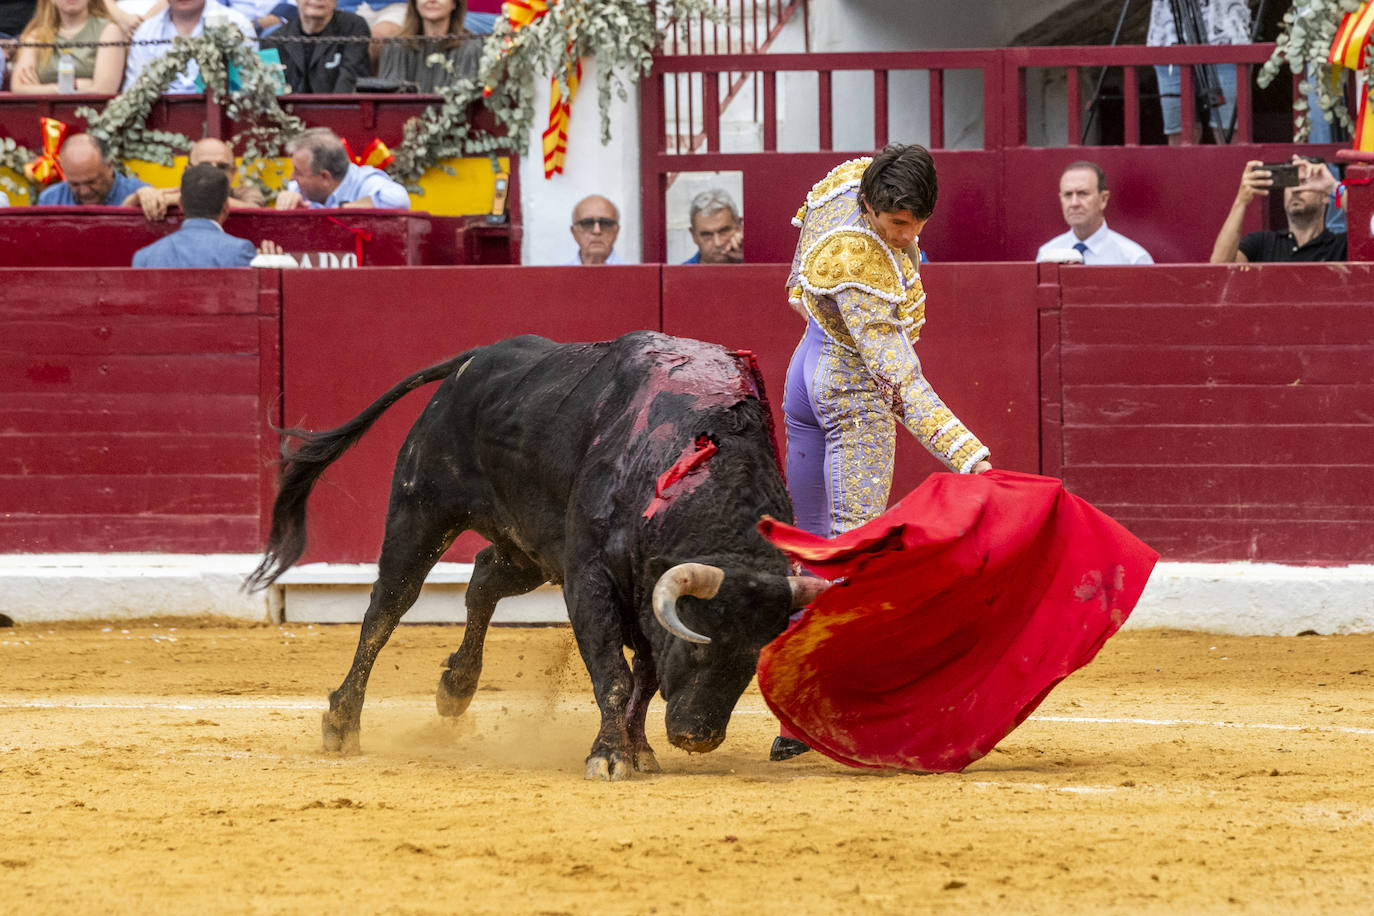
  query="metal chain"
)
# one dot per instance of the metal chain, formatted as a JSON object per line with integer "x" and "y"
{"x": 284, "y": 39}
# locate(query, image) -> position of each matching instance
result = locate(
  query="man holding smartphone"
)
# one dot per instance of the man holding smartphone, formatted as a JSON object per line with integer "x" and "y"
{"x": 1304, "y": 203}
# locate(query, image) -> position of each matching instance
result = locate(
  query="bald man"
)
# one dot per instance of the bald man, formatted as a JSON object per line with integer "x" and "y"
{"x": 91, "y": 179}
{"x": 212, "y": 151}
{"x": 595, "y": 225}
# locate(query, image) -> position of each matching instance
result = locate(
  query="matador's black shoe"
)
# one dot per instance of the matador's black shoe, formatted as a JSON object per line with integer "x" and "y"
{"x": 787, "y": 748}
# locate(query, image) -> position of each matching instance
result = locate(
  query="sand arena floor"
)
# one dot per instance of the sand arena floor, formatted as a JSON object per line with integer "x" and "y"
{"x": 177, "y": 768}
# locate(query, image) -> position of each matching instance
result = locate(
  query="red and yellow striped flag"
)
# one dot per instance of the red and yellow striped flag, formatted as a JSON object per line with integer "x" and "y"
{"x": 1352, "y": 38}
{"x": 521, "y": 13}
{"x": 560, "y": 110}
{"x": 1350, "y": 49}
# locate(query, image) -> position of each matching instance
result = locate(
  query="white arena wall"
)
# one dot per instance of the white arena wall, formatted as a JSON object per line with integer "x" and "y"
{"x": 1242, "y": 599}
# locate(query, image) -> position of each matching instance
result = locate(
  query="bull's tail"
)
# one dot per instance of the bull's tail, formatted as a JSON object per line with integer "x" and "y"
{"x": 302, "y": 468}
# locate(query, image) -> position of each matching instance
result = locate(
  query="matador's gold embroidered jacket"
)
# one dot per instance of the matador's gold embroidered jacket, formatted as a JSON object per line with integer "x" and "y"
{"x": 868, "y": 299}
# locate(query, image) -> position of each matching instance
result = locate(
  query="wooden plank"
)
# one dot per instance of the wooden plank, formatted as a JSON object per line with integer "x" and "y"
{"x": 1207, "y": 512}
{"x": 1230, "y": 405}
{"x": 1278, "y": 363}
{"x": 1301, "y": 446}
{"x": 113, "y": 494}
{"x": 129, "y": 335}
{"x": 111, "y": 373}
{"x": 1270, "y": 323}
{"x": 1311, "y": 542}
{"x": 1316, "y": 487}
{"x": 113, "y": 291}
{"x": 83, "y": 453}
{"x": 1214, "y": 284}
{"x": 100, "y": 533}
{"x": 175, "y": 412}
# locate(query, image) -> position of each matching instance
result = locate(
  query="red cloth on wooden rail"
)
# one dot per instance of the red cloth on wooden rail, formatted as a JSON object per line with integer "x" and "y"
{"x": 960, "y": 608}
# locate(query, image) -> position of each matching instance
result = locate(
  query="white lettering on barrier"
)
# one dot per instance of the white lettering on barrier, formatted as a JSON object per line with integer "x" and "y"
{"x": 327, "y": 259}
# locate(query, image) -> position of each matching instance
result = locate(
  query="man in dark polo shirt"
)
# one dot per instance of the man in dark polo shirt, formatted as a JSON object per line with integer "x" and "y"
{"x": 323, "y": 65}
{"x": 1306, "y": 238}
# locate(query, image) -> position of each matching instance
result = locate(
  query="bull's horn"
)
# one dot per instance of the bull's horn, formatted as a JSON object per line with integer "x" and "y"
{"x": 805, "y": 589}
{"x": 695, "y": 579}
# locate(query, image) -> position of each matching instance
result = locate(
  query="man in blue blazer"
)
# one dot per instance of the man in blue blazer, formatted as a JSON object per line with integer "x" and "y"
{"x": 201, "y": 241}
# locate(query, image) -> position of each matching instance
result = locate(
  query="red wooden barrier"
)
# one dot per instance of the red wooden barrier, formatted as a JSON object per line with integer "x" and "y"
{"x": 133, "y": 409}
{"x": 109, "y": 236}
{"x": 1223, "y": 413}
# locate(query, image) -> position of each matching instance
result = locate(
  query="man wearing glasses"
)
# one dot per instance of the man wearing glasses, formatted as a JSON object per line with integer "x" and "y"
{"x": 595, "y": 224}
{"x": 212, "y": 151}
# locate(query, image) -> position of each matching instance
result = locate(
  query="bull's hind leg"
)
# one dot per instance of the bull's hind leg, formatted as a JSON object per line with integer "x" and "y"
{"x": 414, "y": 542}
{"x": 499, "y": 572}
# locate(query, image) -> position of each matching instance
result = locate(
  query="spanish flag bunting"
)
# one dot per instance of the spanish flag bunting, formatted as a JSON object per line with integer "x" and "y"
{"x": 560, "y": 111}
{"x": 522, "y": 12}
{"x": 1350, "y": 49}
{"x": 375, "y": 154}
{"x": 46, "y": 169}
{"x": 1352, "y": 38}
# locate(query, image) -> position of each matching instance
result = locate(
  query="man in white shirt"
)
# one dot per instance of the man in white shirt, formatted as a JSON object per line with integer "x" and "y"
{"x": 324, "y": 177}
{"x": 1083, "y": 196}
{"x": 185, "y": 18}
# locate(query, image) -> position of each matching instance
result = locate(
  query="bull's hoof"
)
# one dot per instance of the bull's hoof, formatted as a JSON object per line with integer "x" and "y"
{"x": 454, "y": 694}
{"x": 646, "y": 762}
{"x": 338, "y": 737}
{"x": 613, "y": 769}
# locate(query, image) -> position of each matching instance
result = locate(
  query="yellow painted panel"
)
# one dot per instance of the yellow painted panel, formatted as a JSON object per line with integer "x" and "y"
{"x": 469, "y": 190}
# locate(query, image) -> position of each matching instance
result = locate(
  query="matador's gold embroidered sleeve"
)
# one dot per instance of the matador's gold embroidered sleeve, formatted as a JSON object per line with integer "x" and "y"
{"x": 879, "y": 337}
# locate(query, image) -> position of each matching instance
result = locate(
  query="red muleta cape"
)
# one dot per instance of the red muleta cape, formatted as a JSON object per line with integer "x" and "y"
{"x": 958, "y": 611}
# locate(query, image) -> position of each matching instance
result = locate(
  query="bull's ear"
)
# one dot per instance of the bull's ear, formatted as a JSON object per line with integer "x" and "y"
{"x": 660, "y": 565}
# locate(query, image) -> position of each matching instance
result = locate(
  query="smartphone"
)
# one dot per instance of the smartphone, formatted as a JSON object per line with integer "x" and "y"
{"x": 1285, "y": 174}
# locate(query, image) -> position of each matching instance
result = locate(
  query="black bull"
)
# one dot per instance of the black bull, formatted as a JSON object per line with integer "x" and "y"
{"x": 554, "y": 453}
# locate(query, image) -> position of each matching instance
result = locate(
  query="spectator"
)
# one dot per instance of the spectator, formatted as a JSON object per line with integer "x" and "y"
{"x": 1307, "y": 237}
{"x": 322, "y": 65}
{"x": 211, "y": 151}
{"x": 201, "y": 241}
{"x": 1083, "y": 197}
{"x": 1226, "y": 22}
{"x": 220, "y": 154}
{"x": 64, "y": 22}
{"x": 185, "y": 18}
{"x": 717, "y": 229}
{"x": 595, "y": 224}
{"x": 323, "y": 176}
{"x": 426, "y": 22}
{"x": 91, "y": 179}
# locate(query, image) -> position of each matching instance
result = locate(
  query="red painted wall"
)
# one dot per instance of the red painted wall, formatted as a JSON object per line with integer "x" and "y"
{"x": 132, "y": 409}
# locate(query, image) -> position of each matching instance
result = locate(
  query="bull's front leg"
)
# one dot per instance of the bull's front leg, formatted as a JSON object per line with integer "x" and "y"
{"x": 596, "y": 624}
{"x": 645, "y": 686}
